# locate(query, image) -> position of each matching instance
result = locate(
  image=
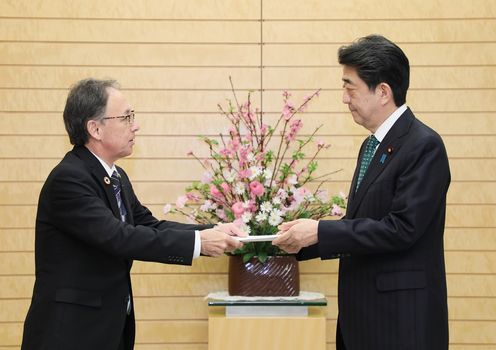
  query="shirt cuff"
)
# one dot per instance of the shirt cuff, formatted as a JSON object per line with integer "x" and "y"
{"x": 197, "y": 251}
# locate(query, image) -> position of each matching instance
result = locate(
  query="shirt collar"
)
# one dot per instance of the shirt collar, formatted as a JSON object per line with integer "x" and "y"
{"x": 109, "y": 169}
{"x": 382, "y": 131}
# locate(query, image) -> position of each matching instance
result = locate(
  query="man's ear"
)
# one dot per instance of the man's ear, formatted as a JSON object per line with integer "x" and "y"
{"x": 94, "y": 129}
{"x": 386, "y": 93}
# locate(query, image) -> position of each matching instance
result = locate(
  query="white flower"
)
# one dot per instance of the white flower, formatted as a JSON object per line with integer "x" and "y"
{"x": 167, "y": 209}
{"x": 208, "y": 205}
{"x": 246, "y": 217}
{"x": 261, "y": 217}
{"x": 250, "y": 157}
{"x": 246, "y": 229}
{"x": 276, "y": 212}
{"x": 309, "y": 197}
{"x": 255, "y": 172}
{"x": 276, "y": 200}
{"x": 246, "y": 204}
{"x": 274, "y": 220}
{"x": 267, "y": 174}
{"x": 229, "y": 175}
{"x": 239, "y": 188}
{"x": 266, "y": 207}
{"x": 292, "y": 179}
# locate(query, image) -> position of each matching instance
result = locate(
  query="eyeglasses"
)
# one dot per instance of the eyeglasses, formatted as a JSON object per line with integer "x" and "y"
{"x": 129, "y": 118}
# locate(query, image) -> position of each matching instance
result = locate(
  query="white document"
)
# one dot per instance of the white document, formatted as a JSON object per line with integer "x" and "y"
{"x": 262, "y": 238}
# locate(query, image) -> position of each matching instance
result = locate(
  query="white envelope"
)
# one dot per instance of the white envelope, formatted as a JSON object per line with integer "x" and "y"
{"x": 262, "y": 238}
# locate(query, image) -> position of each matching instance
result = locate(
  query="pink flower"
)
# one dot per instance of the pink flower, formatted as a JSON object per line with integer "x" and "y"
{"x": 192, "y": 196}
{"x": 181, "y": 201}
{"x": 206, "y": 177}
{"x": 190, "y": 153}
{"x": 299, "y": 194}
{"x": 320, "y": 144}
{"x": 220, "y": 214}
{"x": 336, "y": 210}
{"x": 256, "y": 188}
{"x": 244, "y": 174}
{"x": 238, "y": 209}
{"x": 322, "y": 195}
{"x": 225, "y": 187}
{"x": 214, "y": 191}
{"x": 288, "y": 110}
{"x": 263, "y": 129}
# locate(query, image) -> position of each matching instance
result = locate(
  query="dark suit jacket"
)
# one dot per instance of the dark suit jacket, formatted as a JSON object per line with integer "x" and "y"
{"x": 392, "y": 283}
{"x": 84, "y": 253}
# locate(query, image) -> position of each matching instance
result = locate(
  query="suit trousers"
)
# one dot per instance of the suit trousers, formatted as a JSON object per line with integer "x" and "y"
{"x": 339, "y": 339}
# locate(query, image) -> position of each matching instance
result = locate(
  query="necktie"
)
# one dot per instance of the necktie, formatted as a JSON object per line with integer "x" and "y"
{"x": 116, "y": 184}
{"x": 372, "y": 143}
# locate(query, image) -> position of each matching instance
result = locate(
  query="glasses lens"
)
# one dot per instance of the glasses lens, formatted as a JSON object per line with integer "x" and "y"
{"x": 130, "y": 118}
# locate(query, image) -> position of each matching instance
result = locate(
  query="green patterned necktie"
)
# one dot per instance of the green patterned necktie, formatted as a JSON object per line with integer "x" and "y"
{"x": 372, "y": 143}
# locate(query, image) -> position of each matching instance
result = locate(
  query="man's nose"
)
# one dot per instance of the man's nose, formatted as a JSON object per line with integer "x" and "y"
{"x": 135, "y": 126}
{"x": 346, "y": 97}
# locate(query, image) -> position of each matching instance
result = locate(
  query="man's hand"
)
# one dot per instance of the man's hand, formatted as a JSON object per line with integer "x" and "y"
{"x": 231, "y": 229}
{"x": 215, "y": 242}
{"x": 297, "y": 234}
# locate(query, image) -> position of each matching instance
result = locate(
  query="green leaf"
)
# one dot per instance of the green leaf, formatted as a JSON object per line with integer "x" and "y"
{"x": 248, "y": 256}
{"x": 262, "y": 256}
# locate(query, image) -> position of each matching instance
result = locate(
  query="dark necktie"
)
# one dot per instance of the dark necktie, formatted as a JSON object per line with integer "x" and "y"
{"x": 372, "y": 143}
{"x": 116, "y": 184}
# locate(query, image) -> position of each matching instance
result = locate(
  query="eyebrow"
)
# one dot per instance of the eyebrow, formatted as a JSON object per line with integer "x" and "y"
{"x": 347, "y": 81}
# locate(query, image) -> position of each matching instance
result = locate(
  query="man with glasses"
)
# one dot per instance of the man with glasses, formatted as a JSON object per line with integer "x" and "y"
{"x": 90, "y": 226}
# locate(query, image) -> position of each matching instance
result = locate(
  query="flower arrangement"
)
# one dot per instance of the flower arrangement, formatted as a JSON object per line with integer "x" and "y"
{"x": 257, "y": 186}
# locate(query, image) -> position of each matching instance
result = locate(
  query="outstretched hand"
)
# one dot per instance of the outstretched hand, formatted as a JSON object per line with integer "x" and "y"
{"x": 215, "y": 242}
{"x": 297, "y": 234}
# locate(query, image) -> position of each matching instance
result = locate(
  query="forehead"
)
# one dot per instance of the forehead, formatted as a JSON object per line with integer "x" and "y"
{"x": 117, "y": 101}
{"x": 350, "y": 76}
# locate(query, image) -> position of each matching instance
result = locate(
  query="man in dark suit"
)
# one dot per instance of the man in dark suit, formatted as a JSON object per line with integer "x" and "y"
{"x": 392, "y": 283}
{"x": 90, "y": 226}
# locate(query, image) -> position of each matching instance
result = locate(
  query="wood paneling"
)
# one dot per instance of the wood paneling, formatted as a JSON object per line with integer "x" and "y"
{"x": 186, "y": 170}
{"x": 388, "y": 9}
{"x": 402, "y": 30}
{"x": 30, "y": 146}
{"x": 173, "y": 59}
{"x": 146, "y": 9}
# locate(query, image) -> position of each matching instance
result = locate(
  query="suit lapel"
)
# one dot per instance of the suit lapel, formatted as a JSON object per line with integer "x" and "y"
{"x": 100, "y": 175}
{"x": 387, "y": 150}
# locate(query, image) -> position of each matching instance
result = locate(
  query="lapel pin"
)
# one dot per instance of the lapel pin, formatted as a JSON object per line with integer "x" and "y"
{"x": 383, "y": 158}
{"x": 106, "y": 180}
{"x": 390, "y": 149}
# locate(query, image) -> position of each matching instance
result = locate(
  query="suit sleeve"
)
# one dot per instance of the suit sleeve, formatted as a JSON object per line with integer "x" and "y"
{"x": 77, "y": 208}
{"x": 418, "y": 198}
{"x": 143, "y": 216}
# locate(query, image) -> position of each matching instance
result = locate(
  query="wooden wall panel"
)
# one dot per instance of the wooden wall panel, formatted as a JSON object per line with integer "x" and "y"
{"x": 173, "y": 124}
{"x": 173, "y": 59}
{"x": 145, "y": 9}
{"x": 389, "y": 9}
{"x": 15, "y": 146}
{"x": 151, "y": 78}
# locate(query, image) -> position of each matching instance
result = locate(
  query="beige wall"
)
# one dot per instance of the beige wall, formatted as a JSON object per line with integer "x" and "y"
{"x": 173, "y": 59}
